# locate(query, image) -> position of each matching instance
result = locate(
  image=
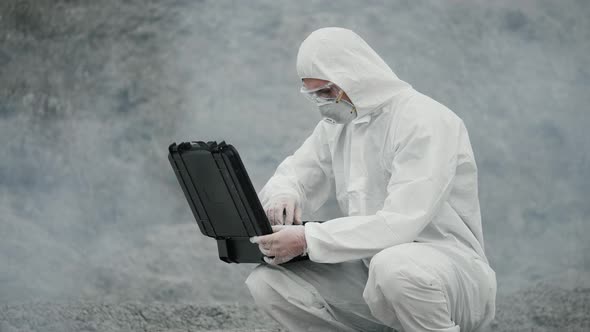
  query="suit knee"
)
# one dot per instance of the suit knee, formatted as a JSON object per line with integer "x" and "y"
{"x": 259, "y": 283}
{"x": 395, "y": 273}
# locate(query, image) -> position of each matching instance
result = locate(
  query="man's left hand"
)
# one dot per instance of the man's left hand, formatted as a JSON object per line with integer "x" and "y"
{"x": 286, "y": 243}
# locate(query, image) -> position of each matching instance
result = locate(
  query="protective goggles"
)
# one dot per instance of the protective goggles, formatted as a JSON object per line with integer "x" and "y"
{"x": 327, "y": 93}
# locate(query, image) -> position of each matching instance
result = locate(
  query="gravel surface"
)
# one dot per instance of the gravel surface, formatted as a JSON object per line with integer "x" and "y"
{"x": 542, "y": 308}
{"x": 86, "y": 316}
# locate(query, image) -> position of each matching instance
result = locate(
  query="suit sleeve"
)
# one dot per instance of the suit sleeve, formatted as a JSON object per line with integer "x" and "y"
{"x": 422, "y": 170}
{"x": 306, "y": 174}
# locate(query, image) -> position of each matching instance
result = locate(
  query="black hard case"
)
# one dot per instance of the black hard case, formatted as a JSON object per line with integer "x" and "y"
{"x": 222, "y": 197}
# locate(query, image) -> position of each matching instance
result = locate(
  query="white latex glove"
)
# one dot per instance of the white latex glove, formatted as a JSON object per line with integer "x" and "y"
{"x": 286, "y": 243}
{"x": 283, "y": 209}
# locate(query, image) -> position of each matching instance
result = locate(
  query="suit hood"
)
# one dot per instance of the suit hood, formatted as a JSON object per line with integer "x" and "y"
{"x": 341, "y": 56}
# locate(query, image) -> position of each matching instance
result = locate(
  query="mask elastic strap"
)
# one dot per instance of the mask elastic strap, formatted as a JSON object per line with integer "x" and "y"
{"x": 339, "y": 96}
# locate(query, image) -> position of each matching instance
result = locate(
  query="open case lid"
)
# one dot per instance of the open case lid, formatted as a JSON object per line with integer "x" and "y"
{"x": 218, "y": 189}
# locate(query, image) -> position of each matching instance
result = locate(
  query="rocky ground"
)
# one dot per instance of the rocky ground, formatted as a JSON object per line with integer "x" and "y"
{"x": 542, "y": 308}
{"x": 52, "y": 317}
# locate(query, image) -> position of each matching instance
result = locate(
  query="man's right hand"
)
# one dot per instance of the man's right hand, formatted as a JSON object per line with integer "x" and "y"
{"x": 283, "y": 210}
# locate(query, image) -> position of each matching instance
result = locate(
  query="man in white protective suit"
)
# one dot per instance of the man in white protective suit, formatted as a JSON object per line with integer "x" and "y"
{"x": 409, "y": 255}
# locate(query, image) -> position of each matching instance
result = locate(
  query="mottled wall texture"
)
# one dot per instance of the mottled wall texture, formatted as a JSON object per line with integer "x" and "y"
{"x": 93, "y": 92}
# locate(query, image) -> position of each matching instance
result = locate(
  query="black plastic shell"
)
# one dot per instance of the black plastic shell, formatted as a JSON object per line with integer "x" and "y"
{"x": 221, "y": 197}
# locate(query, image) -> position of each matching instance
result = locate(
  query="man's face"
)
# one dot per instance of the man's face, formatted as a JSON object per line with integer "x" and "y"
{"x": 314, "y": 83}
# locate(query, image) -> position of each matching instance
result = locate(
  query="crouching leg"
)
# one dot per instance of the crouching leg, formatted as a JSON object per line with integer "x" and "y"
{"x": 308, "y": 296}
{"x": 422, "y": 287}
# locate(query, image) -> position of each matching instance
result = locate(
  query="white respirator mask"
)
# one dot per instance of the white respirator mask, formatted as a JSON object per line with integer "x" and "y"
{"x": 329, "y": 100}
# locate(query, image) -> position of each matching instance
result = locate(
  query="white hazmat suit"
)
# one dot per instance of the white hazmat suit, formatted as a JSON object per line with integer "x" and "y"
{"x": 409, "y": 254}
